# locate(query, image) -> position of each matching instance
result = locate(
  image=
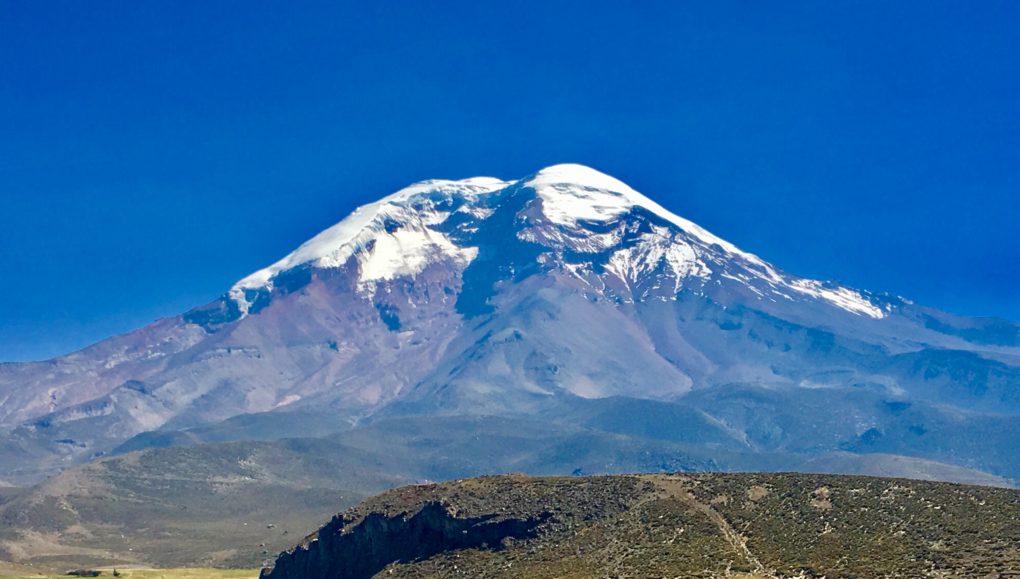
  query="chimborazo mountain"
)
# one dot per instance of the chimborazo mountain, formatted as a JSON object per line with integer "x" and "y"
{"x": 564, "y": 302}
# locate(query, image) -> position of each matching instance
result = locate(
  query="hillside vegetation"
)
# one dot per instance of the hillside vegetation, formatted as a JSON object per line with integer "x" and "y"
{"x": 213, "y": 504}
{"x": 690, "y": 525}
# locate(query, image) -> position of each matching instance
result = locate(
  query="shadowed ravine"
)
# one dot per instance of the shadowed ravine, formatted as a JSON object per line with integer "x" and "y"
{"x": 360, "y": 551}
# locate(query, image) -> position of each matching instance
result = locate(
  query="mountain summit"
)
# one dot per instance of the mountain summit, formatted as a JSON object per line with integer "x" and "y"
{"x": 569, "y": 208}
{"x": 564, "y": 296}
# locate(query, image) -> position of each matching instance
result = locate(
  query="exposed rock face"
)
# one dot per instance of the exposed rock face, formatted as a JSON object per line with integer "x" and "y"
{"x": 347, "y": 551}
{"x": 700, "y": 525}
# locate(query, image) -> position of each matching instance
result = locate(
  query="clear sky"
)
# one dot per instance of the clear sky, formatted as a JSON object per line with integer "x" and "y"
{"x": 152, "y": 153}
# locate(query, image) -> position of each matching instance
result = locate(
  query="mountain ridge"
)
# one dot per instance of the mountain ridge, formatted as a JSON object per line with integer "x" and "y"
{"x": 484, "y": 296}
{"x": 569, "y": 194}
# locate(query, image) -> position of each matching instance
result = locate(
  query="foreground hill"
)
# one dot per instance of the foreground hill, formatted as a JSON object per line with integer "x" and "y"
{"x": 691, "y": 525}
{"x": 565, "y": 294}
{"x": 213, "y": 504}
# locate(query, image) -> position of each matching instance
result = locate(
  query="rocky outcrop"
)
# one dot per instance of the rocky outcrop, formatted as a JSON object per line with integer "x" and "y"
{"x": 681, "y": 525}
{"x": 352, "y": 547}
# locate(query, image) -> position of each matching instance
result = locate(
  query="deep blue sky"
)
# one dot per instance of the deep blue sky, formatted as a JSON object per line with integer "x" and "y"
{"x": 151, "y": 153}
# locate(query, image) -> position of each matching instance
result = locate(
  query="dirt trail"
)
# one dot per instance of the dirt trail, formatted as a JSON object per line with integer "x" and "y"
{"x": 677, "y": 488}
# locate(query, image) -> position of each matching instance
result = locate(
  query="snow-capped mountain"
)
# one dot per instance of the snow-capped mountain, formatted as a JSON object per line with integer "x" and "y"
{"x": 572, "y": 210}
{"x": 564, "y": 294}
{"x": 398, "y": 235}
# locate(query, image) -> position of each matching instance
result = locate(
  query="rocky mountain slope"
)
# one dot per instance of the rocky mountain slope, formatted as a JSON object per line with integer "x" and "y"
{"x": 561, "y": 323}
{"x": 566, "y": 295}
{"x": 692, "y": 525}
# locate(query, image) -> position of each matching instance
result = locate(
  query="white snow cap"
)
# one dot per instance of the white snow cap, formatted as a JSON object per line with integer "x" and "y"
{"x": 334, "y": 246}
{"x": 573, "y": 192}
{"x": 570, "y": 194}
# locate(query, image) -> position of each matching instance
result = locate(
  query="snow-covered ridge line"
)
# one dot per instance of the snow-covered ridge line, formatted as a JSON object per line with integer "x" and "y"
{"x": 335, "y": 245}
{"x": 604, "y": 197}
{"x": 570, "y": 195}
